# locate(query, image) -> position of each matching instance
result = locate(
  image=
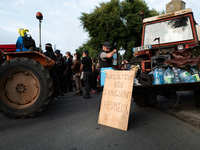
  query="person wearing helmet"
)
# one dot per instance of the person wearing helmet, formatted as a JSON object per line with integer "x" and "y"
{"x": 20, "y": 44}
{"x": 24, "y": 41}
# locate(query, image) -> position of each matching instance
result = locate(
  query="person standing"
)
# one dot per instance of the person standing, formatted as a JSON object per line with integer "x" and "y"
{"x": 94, "y": 76}
{"x": 76, "y": 68}
{"x": 86, "y": 67}
{"x": 97, "y": 73}
{"x": 64, "y": 74}
{"x": 105, "y": 56}
{"x": 68, "y": 71}
{"x": 49, "y": 51}
{"x": 105, "y": 59}
{"x": 59, "y": 69}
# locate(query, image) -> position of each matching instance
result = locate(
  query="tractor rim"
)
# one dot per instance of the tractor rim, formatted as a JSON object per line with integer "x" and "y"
{"x": 20, "y": 88}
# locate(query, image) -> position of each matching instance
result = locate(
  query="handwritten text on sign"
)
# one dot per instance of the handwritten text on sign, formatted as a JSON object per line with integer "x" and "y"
{"x": 116, "y": 99}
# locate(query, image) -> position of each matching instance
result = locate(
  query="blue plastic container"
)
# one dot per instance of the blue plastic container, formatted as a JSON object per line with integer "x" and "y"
{"x": 103, "y": 74}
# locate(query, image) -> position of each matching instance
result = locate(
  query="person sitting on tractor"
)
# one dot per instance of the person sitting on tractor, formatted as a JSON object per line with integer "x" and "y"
{"x": 24, "y": 42}
{"x": 49, "y": 51}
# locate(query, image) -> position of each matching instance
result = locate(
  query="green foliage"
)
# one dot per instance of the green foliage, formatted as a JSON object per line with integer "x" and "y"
{"x": 104, "y": 24}
{"x": 116, "y": 22}
{"x": 86, "y": 46}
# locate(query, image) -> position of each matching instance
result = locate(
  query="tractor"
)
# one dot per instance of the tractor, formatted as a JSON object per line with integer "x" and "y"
{"x": 172, "y": 32}
{"x": 27, "y": 80}
{"x": 26, "y": 85}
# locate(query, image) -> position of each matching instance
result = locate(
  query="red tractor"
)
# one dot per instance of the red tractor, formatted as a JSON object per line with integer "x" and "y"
{"x": 28, "y": 81}
{"x": 163, "y": 34}
{"x": 26, "y": 85}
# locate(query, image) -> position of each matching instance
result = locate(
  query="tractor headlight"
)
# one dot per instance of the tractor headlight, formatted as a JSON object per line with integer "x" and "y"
{"x": 180, "y": 47}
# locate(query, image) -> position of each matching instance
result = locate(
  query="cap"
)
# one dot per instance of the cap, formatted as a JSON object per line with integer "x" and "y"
{"x": 107, "y": 44}
{"x": 57, "y": 52}
{"x": 86, "y": 51}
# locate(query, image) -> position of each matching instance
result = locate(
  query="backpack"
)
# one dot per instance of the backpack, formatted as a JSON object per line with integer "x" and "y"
{"x": 28, "y": 41}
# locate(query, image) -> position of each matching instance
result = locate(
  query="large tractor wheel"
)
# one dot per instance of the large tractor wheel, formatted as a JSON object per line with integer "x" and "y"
{"x": 25, "y": 87}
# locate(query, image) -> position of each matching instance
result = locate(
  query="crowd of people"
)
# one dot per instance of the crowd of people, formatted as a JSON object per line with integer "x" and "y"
{"x": 68, "y": 73}
{"x": 74, "y": 73}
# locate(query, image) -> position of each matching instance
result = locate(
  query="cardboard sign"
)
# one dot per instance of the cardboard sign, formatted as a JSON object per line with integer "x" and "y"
{"x": 116, "y": 99}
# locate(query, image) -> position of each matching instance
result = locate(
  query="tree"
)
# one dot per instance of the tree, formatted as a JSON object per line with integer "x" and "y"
{"x": 116, "y": 22}
{"x": 86, "y": 46}
{"x": 103, "y": 24}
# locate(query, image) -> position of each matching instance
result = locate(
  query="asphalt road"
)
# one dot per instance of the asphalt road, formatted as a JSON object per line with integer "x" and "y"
{"x": 70, "y": 123}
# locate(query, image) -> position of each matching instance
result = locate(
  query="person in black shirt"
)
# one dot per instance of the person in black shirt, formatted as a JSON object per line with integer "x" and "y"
{"x": 59, "y": 68}
{"x": 105, "y": 56}
{"x": 68, "y": 71}
{"x": 49, "y": 51}
{"x": 86, "y": 67}
{"x": 105, "y": 59}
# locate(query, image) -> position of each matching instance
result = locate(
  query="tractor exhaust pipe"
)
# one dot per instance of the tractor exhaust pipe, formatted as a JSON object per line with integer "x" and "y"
{"x": 39, "y": 16}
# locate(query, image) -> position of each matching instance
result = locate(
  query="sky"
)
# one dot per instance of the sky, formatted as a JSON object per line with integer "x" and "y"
{"x": 60, "y": 25}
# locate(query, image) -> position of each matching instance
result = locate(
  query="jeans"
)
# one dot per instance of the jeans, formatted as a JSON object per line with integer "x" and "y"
{"x": 87, "y": 82}
{"x": 78, "y": 84}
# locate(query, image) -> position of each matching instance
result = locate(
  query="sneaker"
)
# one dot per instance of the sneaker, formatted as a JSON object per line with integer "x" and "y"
{"x": 76, "y": 94}
{"x": 92, "y": 92}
